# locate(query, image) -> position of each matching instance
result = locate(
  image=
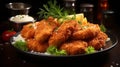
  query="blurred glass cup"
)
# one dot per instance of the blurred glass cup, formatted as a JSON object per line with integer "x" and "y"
{"x": 87, "y": 9}
{"x": 18, "y": 8}
{"x": 108, "y": 18}
{"x": 70, "y": 6}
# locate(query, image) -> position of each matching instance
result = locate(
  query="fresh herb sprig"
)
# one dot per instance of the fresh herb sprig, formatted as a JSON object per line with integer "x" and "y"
{"x": 52, "y": 9}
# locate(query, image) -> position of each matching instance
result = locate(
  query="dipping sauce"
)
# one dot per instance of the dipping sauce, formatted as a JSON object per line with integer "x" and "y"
{"x": 21, "y": 18}
{"x": 18, "y": 21}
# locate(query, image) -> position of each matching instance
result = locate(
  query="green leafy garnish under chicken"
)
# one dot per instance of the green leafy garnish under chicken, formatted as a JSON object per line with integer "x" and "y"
{"x": 21, "y": 45}
{"x": 54, "y": 51}
{"x": 90, "y": 49}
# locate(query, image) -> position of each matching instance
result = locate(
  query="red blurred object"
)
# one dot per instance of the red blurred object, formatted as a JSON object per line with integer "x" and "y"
{"x": 103, "y": 5}
{"x": 7, "y": 34}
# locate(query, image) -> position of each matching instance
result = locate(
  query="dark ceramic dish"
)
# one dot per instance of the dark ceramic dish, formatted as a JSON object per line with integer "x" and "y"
{"x": 109, "y": 45}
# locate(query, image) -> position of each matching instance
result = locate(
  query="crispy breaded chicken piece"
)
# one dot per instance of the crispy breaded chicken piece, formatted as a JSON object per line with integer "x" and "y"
{"x": 62, "y": 33}
{"x": 74, "y": 47}
{"x": 53, "y": 22}
{"x": 34, "y": 45}
{"x": 28, "y": 31}
{"x": 88, "y": 31}
{"x": 99, "y": 41}
{"x": 44, "y": 30}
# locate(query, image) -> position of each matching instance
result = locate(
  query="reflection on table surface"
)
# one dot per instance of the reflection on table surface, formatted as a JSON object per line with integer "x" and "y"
{"x": 10, "y": 57}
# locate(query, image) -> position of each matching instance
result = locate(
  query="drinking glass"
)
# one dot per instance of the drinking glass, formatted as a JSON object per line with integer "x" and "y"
{"x": 87, "y": 9}
{"x": 108, "y": 18}
{"x": 17, "y": 8}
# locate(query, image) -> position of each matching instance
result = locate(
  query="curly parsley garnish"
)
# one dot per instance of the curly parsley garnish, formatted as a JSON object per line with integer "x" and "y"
{"x": 21, "y": 45}
{"x": 54, "y": 51}
{"x": 90, "y": 49}
{"x": 103, "y": 28}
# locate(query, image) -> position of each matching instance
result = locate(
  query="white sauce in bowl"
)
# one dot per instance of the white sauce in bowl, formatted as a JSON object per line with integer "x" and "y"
{"x": 21, "y": 18}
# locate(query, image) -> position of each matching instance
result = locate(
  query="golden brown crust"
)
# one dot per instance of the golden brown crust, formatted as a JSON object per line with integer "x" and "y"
{"x": 74, "y": 47}
{"x": 43, "y": 31}
{"x": 63, "y": 33}
{"x": 87, "y": 32}
{"x": 27, "y": 31}
{"x": 70, "y": 36}
{"x": 34, "y": 45}
{"x": 99, "y": 41}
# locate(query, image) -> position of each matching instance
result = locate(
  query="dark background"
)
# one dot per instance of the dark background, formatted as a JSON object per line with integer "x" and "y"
{"x": 10, "y": 58}
{"x": 36, "y": 4}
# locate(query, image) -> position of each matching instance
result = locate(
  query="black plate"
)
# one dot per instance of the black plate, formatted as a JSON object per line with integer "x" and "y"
{"x": 109, "y": 45}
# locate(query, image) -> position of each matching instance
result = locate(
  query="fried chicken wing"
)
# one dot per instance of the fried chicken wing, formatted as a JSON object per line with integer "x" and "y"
{"x": 28, "y": 31}
{"x": 53, "y": 22}
{"x": 62, "y": 33}
{"x": 44, "y": 30}
{"x": 74, "y": 47}
{"x": 72, "y": 36}
{"x": 88, "y": 31}
{"x": 34, "y": 45}
{"x": 99, "y": 41}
